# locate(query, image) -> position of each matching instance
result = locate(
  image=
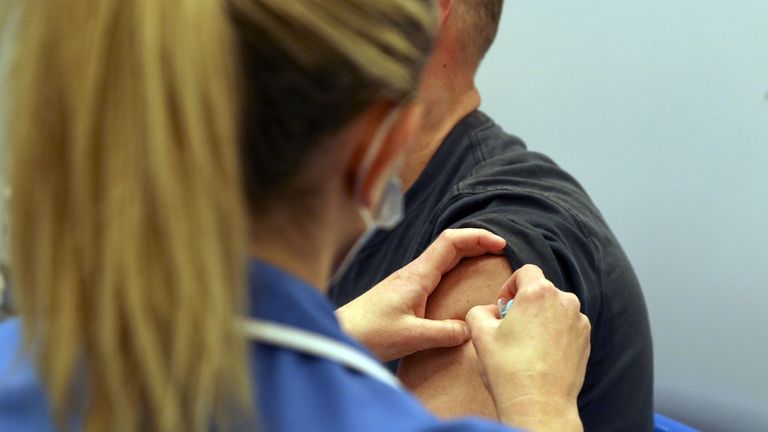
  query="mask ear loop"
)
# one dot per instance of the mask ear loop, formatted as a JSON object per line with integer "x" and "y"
{"x": 365, "y": 213}
{"x": 373, "y": 150}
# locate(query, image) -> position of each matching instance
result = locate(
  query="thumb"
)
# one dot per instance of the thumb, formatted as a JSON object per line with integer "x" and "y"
{"x": 482, "y": 317}
{"x": 441, "y": 333}
{"x": 482, "y": 321}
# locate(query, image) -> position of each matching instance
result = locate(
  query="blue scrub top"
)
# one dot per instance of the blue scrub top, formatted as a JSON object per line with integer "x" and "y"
{"x": 295, "y": 391}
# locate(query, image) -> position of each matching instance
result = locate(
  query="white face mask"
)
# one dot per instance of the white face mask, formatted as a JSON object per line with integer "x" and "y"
{"x": 389, "y": 212}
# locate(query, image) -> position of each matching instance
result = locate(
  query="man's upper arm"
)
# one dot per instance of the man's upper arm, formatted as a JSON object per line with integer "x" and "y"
{"x": 448, "y": 380}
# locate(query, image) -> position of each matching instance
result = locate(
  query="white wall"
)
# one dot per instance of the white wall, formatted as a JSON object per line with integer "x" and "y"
{"x": 660, "y": 109}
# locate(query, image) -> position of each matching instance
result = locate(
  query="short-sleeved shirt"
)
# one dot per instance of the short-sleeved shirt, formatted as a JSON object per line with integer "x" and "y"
{"x": 483, "y": 177}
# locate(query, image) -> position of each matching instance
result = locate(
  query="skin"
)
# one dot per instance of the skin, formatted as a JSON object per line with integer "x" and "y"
{"x": 401, "y": 299}
{"x": 543, "y": 398}
{"x": 447, "y": 92}
{"x": 447, "y": 380}
{"x": 540, "y": 394}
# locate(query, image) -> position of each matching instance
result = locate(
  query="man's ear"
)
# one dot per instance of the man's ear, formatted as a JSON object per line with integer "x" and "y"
{"x": 396, "y": 136}
{"x": 446, "y": 8}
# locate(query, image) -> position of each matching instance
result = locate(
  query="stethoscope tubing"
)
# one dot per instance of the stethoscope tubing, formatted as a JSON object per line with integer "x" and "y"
{"x": 310, "y": 343}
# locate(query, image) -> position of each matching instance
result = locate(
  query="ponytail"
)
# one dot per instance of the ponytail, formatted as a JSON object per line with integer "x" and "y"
{"x": 126, "y": 222}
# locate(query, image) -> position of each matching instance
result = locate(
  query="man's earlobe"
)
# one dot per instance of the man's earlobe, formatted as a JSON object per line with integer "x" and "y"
{"x": 446, "y": 7}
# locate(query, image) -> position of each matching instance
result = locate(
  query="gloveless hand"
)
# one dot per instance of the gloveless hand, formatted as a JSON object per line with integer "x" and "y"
{"x": 533, "y": 361}
{"x": 389, "y": 318}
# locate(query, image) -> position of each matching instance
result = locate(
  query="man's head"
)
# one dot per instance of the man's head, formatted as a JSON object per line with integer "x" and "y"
{"x": 478, "y": 21}
{"x": 468, "y": 28}
{"x": 447, "y": 89}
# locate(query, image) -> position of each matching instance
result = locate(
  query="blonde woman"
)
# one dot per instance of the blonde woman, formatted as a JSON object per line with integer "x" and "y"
{"x": 135, "y": 127}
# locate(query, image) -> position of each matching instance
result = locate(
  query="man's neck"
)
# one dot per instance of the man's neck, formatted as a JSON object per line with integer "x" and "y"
{"x": 441, "y": 114}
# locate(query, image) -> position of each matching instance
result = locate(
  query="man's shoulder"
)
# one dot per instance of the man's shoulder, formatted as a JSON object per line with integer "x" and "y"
{"x": 503, "y": 166}
{"x": 526, "y": 197}
{"x": 485, "y": 138}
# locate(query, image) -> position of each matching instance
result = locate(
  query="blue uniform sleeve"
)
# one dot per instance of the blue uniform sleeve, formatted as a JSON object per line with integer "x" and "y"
{"x": 299, "y": 393}
{"x": 23, "y": 404}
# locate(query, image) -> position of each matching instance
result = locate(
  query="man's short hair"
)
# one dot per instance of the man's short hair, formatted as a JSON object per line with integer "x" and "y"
{"x": 480, "y": 19}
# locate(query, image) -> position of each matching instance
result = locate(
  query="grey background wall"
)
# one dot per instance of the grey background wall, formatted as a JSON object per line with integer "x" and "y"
{"x": 660, "y": 108}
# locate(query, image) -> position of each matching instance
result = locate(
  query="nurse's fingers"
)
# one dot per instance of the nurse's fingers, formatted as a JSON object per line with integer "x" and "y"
{"x": 526, "y": 276}
{"x": 451, "y": 246}
{"x": 440, "y": 334}
{"x": 482, "y": 321}
{"x": 480, "y": 317}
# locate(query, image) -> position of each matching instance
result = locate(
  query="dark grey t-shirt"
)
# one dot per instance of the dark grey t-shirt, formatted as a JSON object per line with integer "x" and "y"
{"x": 482, "y": 177}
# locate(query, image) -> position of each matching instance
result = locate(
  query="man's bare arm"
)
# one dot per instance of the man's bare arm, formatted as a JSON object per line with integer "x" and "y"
{"x": 448, "y": 380}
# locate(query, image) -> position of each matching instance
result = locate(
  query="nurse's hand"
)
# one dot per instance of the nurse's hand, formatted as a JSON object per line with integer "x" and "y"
{"x": 533, "y": 361}
{"x": 389, "y": 318}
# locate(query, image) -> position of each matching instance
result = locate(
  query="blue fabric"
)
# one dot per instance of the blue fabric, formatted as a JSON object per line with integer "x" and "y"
{"x": 666, "y": 424}
{"x": 23, "y": 404}
{"x": 296, "y": 392}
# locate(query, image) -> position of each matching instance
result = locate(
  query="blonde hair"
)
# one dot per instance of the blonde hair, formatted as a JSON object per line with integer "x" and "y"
{"x": 312, "y": 66}
{"x": 127, "y": 224}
